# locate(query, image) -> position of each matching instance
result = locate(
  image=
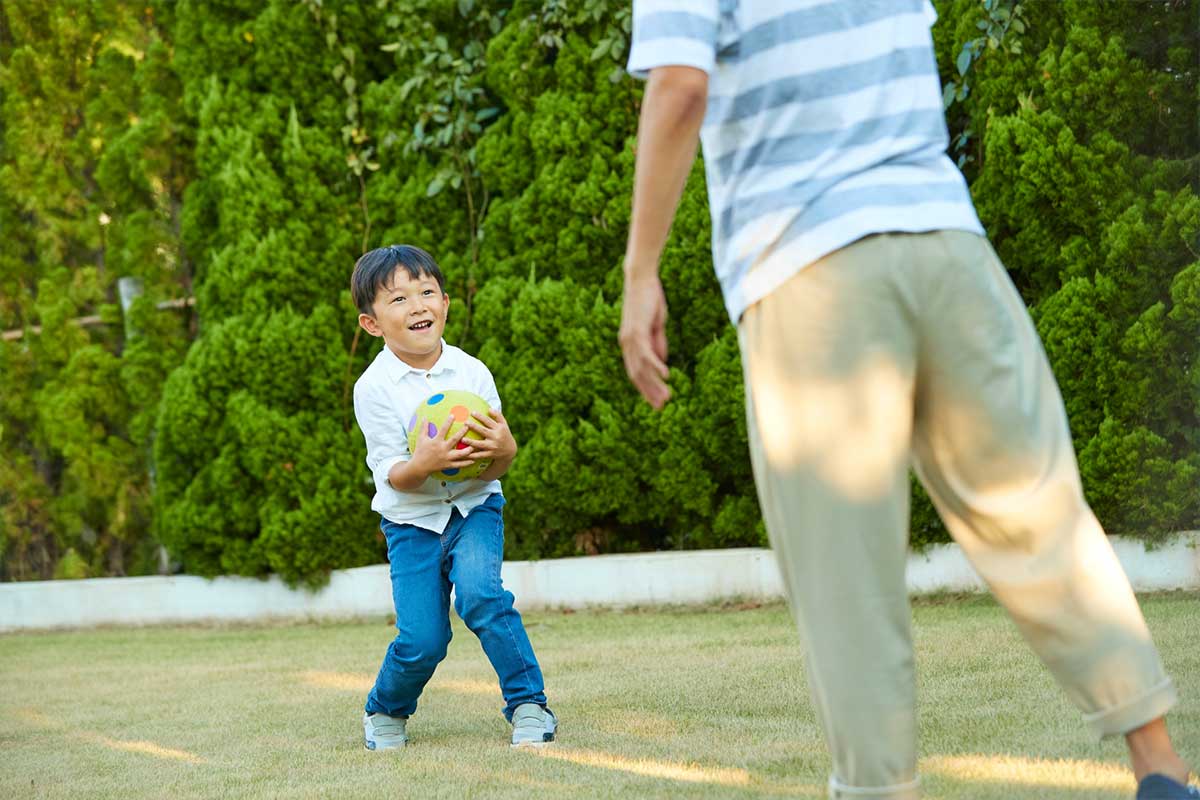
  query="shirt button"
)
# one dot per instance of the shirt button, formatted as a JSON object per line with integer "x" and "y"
{"x": 427, "y": 375}
{"x": 443, "y": 483}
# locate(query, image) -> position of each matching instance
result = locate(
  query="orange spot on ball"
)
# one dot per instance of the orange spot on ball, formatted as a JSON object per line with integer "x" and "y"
{"x": 460, "y": 413}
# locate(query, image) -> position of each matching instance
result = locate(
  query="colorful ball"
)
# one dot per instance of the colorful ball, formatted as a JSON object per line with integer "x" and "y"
{"x": 432, "y": 415}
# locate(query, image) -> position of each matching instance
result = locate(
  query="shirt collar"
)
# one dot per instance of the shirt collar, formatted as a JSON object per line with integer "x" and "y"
{"x": 398, "y": 369}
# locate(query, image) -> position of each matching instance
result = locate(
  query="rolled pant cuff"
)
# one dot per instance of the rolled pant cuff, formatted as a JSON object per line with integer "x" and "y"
{"x": 1133, "y": 714}
{"x": 900, "y": 791}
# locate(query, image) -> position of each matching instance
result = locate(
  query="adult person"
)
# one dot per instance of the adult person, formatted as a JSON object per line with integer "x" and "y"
{"x": 877, "y": 329}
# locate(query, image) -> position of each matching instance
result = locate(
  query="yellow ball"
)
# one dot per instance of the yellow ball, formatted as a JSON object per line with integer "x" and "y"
{"x": 454, "y": 407}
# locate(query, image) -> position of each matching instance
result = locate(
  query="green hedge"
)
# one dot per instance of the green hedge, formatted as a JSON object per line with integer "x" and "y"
{"x": 247, "y": 152}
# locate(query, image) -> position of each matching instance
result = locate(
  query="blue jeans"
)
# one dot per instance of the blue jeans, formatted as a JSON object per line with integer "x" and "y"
{"x": 424, "y": 566}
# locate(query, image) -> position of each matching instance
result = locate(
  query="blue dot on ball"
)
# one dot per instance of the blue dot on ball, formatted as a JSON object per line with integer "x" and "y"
{"x": 451, "y": 471}
{"x": 437, "y": 398}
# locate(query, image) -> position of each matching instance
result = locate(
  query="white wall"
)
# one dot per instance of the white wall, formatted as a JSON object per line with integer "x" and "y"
{"x": 696, "y": 576}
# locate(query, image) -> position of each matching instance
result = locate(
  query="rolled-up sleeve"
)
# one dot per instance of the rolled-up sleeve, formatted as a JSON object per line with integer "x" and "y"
{"x": 674, "y": 33}
{"x": 387, "y": 441}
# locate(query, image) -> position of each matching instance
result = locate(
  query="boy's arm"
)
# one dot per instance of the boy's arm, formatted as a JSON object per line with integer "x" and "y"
{"x": 407, "y": 476}
{"x": 433, "y": 454}
{"x": 388, "y": 457}
{"x": 498, "y": 443}
{"x": 387, "y": 441}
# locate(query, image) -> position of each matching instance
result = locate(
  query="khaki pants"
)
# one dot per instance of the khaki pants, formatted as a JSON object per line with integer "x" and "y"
{"x": 916, "y": 348}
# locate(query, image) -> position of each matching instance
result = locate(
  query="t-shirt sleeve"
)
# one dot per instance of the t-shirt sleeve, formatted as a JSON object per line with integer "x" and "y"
{"x": 930, "y": 13}
{"x": 673, "y": 33}
{"x": 387, "y": 440}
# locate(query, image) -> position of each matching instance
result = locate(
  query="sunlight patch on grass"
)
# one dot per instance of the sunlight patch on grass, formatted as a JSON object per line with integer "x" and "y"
{"x": 143, "y": 747}
{"x": 650, "y": 768}
{"x": 146, "y": 748}
{"x": 361, "y": 683}
{"x": 340, "y": 681}
{"x": 1068, "y": 773}
{"x": 464, "y": 686}
{"x": 643, "y": 725}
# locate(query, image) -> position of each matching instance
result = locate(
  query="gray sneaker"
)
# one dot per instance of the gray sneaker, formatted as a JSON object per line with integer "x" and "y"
{"x": 381, "y": 732}
{"x": 533, "y": 726}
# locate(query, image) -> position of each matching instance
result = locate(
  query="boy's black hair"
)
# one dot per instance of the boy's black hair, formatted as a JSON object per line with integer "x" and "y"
{"x": 373, "y": 269}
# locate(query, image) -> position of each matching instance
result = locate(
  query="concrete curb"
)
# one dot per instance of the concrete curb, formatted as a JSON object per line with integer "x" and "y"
{"x": 697, "y": 576}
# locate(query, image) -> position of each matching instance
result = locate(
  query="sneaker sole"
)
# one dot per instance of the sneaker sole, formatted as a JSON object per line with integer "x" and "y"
{"x": 373, "y": 746}
{"x": 547, "y": 738}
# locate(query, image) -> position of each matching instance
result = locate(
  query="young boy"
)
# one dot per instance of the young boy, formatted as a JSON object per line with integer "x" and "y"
{"x": 439, "y": 534}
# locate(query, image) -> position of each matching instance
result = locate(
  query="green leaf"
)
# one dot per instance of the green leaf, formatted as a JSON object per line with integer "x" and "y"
{"x": 465, "y": 7}
{"x": 599, "y": 50}
{"x": 391, "y": 47}
{"x": 964, "y": 60}
{"x": 409, "y": 85}
{"x": 486, "y": 113}
{"x": 948, "y": 94}
{"x": 435, "y": 186}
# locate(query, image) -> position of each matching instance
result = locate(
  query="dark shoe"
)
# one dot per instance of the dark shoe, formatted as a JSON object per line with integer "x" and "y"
{"x": 1160, "y": 787}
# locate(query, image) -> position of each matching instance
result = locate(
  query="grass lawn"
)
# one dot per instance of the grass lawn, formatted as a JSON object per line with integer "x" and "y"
{"x": 704, "y": 702}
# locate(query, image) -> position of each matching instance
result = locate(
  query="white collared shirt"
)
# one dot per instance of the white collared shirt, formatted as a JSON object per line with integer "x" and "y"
{"x": 386, "y": 397}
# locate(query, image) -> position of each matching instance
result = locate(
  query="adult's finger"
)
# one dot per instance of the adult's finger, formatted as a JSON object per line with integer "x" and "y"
{"x": 646, "y": 370}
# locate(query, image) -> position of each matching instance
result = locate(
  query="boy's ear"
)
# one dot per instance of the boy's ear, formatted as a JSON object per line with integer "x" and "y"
{"x": 368, "y": 324}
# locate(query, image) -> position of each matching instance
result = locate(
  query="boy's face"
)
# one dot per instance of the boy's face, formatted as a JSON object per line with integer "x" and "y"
{"x": 410, "y": 314}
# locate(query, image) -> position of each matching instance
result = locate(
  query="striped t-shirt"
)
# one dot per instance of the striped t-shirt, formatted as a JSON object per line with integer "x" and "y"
{"x": 824, "y": 125}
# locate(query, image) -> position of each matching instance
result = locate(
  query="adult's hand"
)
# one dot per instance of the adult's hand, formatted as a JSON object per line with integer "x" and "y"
{"x": 643, "y": 336}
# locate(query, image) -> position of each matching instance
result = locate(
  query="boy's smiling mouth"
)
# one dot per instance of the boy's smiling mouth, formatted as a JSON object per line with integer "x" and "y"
{"x": 421, "y": 326}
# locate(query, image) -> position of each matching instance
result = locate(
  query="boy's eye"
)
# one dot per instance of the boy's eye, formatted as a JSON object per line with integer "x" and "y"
{"x": 397, "y": 299}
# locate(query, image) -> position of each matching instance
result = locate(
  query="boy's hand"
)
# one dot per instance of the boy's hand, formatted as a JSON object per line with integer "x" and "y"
{"x": 497, "y": 443}
{"x": 443, "y": 451}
